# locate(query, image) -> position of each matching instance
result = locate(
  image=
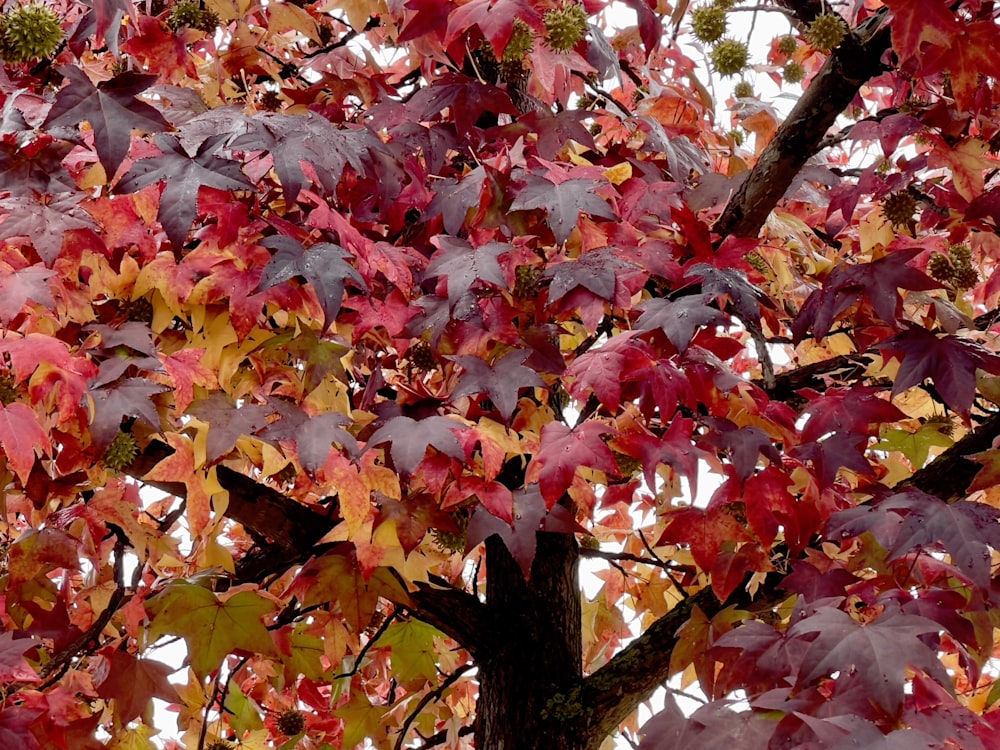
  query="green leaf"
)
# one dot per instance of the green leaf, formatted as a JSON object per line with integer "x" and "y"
{"x": 414, "y": 656}
{"x": 212, "y": 626}
{"x": 915, "y": 445}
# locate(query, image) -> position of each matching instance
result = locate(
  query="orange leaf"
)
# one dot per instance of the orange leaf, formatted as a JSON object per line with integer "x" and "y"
{"x": 20, "y": 435}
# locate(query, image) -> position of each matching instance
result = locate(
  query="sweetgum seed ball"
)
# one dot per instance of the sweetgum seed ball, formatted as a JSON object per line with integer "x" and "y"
{"x": 708, "y": 22}
{"x": 826, "y": 32}
{"x": 564, "y": 27}
{"x": 729, "y": 57}
{"x": 291, "y": 722}
{"x": 30, "y": 32}
{"x": 793, "y": 73}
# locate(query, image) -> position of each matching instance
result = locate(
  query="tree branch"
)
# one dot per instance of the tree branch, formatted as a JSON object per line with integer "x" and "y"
{"x": 290, "y": 531}
{"x": 855, "y": 61}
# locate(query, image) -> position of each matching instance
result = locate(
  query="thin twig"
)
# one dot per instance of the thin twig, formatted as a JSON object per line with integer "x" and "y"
{"x": 371, "y": 642}
{"x": 433, "y": 695}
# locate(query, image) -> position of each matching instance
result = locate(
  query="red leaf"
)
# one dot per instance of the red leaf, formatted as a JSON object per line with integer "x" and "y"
{"x": 500, "y": 381}
{"x": 948, "y": 360}
{"x": 112, "y": 110}
{"x": 13, "y": 667}
{"x": 20, "y": 436}
{"x": 18, "y": 287}
{"x": 562, "y": 202}
{"x": 564, "y": 450}
{"x": 409, "y": 439}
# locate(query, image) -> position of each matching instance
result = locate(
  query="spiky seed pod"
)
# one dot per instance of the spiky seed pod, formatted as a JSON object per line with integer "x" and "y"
{"x": 565, "y": 26}
{"x": 961, "y": 255}
{"x": 8, "y": 391}
{"x": 793, "y": 73}
{"x": 271, "y": 101}
{"x": 421, "y": 356}
{"x": 291, "y": 722}
{"x": 826, "y": 31}
{"x": 737, "y": 136}
{"x": 899, "y": 207}
{"x": 590, "y": 542}
{"x": 185, "y": 13}
{"x": 757, "y": 261}
{"x": 520, "y": 43}
{"x": 743, "y": 90}
{"x": 220, "y": 745}
{"x": 627, "y": 465}
{"x": 453, "y": 540}
{"x": 526, "y": 281}
{"x": 729, "y": 57}
{"x": 708, "y": 22}
{"x": 939, "y": 267}
{"x": 139, "y": 310}
{"x": 965, "y": 277}
{"x": 209, "y": 21}
{"x": 30, "y": 32}
{"x": 724, "y": 4}
{"x": 788, "y": 44}
{"x": 121, "y": 452}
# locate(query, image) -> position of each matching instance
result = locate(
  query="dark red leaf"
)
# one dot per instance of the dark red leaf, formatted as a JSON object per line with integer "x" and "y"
{"x": 501, "y": 381}
{"x": 563, "y": 202}
{"x": 112, "y": 110}
{"x": 409, "y": 439}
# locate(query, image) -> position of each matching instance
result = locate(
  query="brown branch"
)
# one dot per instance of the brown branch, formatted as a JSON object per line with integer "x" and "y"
{"x": 849, "y": 66}
{"x": 290, "y": 531}
{"x": 432, "y": 695}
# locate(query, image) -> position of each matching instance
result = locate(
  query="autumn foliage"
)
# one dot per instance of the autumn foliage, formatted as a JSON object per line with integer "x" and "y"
{"x": 336, "y": 336}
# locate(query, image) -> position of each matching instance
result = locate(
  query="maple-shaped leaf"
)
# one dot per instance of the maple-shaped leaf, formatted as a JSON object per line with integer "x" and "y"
{"x": 552, "y": 130}
{"x": 520, "y": 536}
{"x": 674, "y": 448}
{"x": 745, "y": 445}
{"x": 462, "y": 265}
{"x": 916, "y": 446}
{"x": 133, "y": 683}
{"x": 16, "y": 725}
{"x": 454, "y": 199}
{"x": 597, "y": 271}
{"x": 877, "y": 282}
{"x": 501, "y": 381}
{"x": 705, "y": 531}
{"x": 913, "y": 520}
{"x": 563, "y": 451}
{"x": 713, "y": 725}
{"x": 679, "y": 319}
{"x": 562, "y": 202}
{"x": 466, "y": 99}
{"x": 128, "y": 398}
{"x": 879, "y": 652}
{"x": 324, "y": 266}
{"x": 414, "y": 655}
{"x": 409, "y": 439}
{"x": 36, "y": 169}
{"x": 228, "y": 422}
{"x": 213, "y": 626}
{"x": 45, "y": 222}
{"x": 183, "y": 175}
{"x": 948, "y": 360}
{"x": 20, "y": 436}
{"x": 313, "y": 435}
{"x": 335, "y": 576}
{"x": 102, "y": 16}
{"x": 307, "y": 138}
{"x": 917, "y": 24}
{"x": 732, "y": 285}
{"x": 112, "y": 110}
{"x": 846, "y": 411}
{"x": 968, "y": 58}
{"x": 834, "y": 452}
{"x": 13, "y": 667}
{"x": 19, "y": 287}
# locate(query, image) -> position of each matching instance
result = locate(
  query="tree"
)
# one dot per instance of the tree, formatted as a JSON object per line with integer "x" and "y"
{"x": 336, "y": 335}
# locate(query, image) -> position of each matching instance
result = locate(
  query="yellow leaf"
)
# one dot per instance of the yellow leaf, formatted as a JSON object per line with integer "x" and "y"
{"x": 136, "y": 738}
{"x": 358, "y": 11}
{"x": 619, "y": 173}
{"x": 352, "y": 493}
{"x": 287, "y": 17}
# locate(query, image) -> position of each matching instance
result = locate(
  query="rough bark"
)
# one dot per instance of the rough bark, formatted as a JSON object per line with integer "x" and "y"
{"x": 854, "y": 62}
{"x": 529, "y": 668}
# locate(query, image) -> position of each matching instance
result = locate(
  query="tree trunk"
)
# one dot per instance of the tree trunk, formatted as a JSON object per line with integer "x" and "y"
{"x": 529, "y": 673}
